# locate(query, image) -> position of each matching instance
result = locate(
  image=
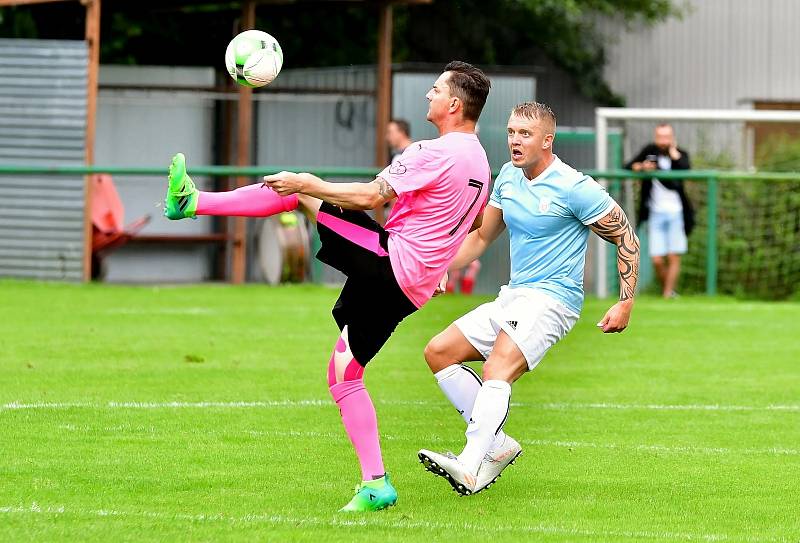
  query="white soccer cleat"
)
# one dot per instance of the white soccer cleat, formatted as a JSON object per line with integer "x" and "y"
{"x": 495, "y": 462}
{"x": 448, "y": 466}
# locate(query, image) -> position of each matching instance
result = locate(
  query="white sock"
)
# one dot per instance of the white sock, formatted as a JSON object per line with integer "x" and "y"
{"x": 461, "y": 385}
{"x": 489, "y": 413}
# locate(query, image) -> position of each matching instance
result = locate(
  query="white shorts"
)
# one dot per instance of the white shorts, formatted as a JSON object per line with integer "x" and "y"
{"x": 531, "y": 318}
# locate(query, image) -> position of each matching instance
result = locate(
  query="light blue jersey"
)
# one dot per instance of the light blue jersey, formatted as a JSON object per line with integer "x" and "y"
{"x": 546, "y": 219}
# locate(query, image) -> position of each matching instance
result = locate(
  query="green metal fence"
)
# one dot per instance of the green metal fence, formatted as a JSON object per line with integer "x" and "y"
{"x": 711, "y": 178}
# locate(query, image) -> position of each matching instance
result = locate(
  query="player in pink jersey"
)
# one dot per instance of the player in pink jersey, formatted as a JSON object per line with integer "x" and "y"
{"x": 441, "y": 188}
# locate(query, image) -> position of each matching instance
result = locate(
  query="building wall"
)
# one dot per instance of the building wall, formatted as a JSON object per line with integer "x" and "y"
{"x": 141, "y": 127}
{"x": 409, "y": 102}
{"x": 309, "y": 117}
{"x": 723, "y": 54}
{"x": 42, "y": 217}
{"x": 317, "y": 117}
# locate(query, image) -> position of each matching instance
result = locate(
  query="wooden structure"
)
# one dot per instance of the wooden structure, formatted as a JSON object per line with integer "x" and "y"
{"x": 245, "y": 111}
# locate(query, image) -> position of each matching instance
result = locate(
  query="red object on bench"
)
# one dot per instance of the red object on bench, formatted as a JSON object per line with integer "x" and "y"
{"x": 108, "y": 216}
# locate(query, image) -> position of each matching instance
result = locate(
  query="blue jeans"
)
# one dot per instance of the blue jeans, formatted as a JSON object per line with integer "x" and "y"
{"x": 665, "y": 234}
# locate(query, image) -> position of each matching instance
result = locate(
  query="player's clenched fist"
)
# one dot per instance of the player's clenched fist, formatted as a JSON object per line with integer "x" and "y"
{"x": 286, "y": 183}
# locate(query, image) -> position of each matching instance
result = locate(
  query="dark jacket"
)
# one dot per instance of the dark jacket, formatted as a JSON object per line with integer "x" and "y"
{"x": 672, "y": 184}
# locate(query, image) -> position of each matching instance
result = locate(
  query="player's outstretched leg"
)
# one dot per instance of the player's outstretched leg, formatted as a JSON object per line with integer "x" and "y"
{"x": 184, "y": 201}
{"x": 361, "y": 424}
{"x": 181, "y": 199}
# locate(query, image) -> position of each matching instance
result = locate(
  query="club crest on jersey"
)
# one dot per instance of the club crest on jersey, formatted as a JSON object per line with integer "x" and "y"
{"x": 544, "y": 204}
{"x": 397, "y": 168}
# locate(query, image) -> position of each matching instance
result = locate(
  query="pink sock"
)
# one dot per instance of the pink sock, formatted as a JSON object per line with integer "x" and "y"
{"x": 250, "y": 201}
{"x": 361, "y": 424}
{"x": 358, "y": 413}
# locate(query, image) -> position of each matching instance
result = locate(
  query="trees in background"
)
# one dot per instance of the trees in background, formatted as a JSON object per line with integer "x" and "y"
{"x": 504, "y": 32}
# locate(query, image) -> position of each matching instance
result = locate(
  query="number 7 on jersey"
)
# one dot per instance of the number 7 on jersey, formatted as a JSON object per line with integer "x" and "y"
{"x": 478, "y": 185}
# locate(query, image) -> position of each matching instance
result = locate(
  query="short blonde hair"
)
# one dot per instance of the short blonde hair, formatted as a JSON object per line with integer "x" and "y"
{"x": 536, "y": 111}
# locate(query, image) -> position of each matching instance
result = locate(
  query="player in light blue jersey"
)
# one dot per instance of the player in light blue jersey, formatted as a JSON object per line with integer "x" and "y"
{"x": 549, "y": 209}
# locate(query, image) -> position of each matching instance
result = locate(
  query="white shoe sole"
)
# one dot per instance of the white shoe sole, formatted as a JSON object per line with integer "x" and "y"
{"x": 434, "y": 467}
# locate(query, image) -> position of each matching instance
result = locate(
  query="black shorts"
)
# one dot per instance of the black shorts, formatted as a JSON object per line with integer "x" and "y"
{"x": 371, "y": 303}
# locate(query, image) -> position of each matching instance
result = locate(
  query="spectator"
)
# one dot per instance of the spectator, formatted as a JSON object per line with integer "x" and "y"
{"x": 398, "y": 136}
{"x": 664, "y": 206}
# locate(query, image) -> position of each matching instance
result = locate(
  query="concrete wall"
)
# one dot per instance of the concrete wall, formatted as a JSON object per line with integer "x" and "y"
{"x": 139, "y": 127}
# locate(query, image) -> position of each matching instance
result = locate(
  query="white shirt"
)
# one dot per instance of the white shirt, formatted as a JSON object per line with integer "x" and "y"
{"x": 662, "y": 199}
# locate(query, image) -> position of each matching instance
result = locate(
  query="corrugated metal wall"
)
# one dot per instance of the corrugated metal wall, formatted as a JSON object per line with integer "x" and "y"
{"x": 42, "y": 121}
{"x": 721, "y": 54}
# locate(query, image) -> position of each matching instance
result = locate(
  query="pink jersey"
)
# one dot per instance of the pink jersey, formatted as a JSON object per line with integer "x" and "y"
{"x": 441, "y": 187}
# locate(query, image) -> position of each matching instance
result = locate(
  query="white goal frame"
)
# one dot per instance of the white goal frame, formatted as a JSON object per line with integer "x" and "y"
{"x": 604, "y": 114}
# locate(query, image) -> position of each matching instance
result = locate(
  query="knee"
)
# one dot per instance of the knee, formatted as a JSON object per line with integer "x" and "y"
{"x": 658, "y": 260}
{"x": 436, "y": 354}
{"x": 343, "y": 366}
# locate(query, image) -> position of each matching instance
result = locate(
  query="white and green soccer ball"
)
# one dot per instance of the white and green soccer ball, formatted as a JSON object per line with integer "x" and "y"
{"x": 253, "y": 58}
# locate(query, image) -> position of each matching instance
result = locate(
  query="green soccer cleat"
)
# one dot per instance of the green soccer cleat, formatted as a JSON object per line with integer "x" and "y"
{"x": 372, "y": 496}
{"x": 181, "y": 199}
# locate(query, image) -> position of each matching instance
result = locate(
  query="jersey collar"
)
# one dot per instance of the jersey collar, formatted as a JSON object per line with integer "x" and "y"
{"x": 553, "y": 165}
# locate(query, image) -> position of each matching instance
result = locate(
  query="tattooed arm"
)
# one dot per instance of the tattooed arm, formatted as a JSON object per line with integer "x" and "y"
{"x": 346, "y": 195}
{"x": 615, "y": 228}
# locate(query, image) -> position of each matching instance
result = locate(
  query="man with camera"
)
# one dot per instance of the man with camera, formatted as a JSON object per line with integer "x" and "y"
{"x": 665, "y": 206}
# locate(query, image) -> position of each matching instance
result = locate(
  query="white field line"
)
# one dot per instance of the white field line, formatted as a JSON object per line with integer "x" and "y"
{"x": 680, "y": 449}
{"x": 426, "y": 403}
{"x": 378, "y": 522}
{"x": 434, "y": 439}
{"x": 160, "y": 311}
{"x": 665, "y": 407}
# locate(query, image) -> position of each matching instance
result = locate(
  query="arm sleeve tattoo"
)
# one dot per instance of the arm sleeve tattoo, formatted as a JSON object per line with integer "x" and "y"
{"x": 615, "y": 228}
{"x": 384, "y": 189}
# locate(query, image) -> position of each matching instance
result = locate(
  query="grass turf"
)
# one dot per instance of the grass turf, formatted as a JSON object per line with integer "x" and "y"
{"x": 202, "y": 413}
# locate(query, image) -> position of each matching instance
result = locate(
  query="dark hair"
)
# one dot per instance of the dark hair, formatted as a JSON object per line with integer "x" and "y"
{"x": 470, "y": 85}
{"x": 403, "y": 126}
{"x": 535, "y": 111}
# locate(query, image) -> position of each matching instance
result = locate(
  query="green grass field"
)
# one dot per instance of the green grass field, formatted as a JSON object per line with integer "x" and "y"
{"x": 202, "y": 414}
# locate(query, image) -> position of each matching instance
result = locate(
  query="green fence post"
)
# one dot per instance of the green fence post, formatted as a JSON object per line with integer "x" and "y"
{"x": 615, "y": 151}
{"x": 711, "y": 240}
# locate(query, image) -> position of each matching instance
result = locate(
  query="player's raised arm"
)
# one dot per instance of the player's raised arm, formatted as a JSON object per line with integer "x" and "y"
{"x": 345, "y": 195}
{"x": 615, "y": 228}
{"x": 491, "y": 225}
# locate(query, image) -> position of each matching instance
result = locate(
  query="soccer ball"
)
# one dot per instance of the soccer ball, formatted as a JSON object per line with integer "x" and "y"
{"x": 253, "y": 58}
